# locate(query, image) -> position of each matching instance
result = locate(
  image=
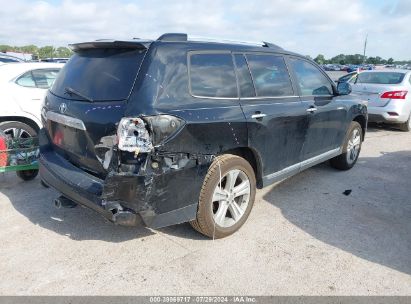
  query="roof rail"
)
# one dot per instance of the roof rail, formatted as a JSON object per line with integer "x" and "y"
{"x": 263, "y": 43}
{"x": 185, "y": 37}
{"x": 173, "y": 37}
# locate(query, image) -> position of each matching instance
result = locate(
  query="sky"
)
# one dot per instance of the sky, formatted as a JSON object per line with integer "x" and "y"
{"x": 309, "y": 27}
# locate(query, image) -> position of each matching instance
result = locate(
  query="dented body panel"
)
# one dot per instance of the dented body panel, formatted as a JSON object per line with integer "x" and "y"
{"x": 161, "y": 182}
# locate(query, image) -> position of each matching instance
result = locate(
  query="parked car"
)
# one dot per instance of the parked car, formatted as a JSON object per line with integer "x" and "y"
{"x": 22, "y": 90}
{"x": 176, "y": 130}
{"x": 353, "y": 68}
{"x": 4, "y": 58}
{"x": 58, "y": 60}
{"x": 387, "y": 92}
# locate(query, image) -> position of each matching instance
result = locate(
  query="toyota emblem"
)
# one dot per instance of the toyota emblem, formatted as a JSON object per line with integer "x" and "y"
{"x": 63, "y": 108}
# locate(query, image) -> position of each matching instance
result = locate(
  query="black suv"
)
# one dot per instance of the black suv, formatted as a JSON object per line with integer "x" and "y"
{"x": 175, "y": 130}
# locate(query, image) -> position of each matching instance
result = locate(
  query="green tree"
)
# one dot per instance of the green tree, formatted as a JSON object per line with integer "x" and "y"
{"x": 320, "y": 59}
{"x": 390, "y": 60}
{"x": 340, "y": 59}
{"x": 46, "y": 52}
{"x": 63, "y": 52}
{"x": 371, "y": 60}
{"x": 4, "y": 48}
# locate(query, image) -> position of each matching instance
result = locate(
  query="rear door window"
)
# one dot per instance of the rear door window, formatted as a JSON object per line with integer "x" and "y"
{"x": 311, "y": 80}
{"x": 245, "y": 82}
{"x": 44, "y": 79}
{"x": 270, "y": 75}
{"x": 212, "y": 75}
{"x": 102, "y": 74}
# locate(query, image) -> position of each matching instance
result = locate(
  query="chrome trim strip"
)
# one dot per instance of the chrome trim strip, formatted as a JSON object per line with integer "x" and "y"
{"x": 319, "y": 158}
{"x": 304, "y": 164}
{"x": 66, "y": 120}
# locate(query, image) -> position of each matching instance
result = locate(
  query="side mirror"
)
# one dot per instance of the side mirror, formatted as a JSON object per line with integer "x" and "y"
{"x": 344, "y": 88}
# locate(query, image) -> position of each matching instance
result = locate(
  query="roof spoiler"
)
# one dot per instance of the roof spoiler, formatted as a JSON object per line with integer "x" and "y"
{"x": 111, "y": 44}
{"x": 173, "y": 37}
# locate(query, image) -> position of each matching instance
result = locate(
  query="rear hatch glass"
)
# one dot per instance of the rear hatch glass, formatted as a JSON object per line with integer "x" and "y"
{"x": 92, "y": 87}
{"x": 99, "y": 74}
{"x": 380, "y": 77}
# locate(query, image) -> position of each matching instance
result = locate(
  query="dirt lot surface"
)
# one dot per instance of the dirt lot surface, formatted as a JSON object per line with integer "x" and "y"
{"x": 304, "y": 236}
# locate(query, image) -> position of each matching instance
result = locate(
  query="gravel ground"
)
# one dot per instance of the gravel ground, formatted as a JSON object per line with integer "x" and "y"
{"x": 303, "y": 237}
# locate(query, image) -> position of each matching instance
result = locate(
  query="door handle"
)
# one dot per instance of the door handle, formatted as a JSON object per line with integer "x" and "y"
{"x": 311, "y": 109}
{"x": 258, "y": 115}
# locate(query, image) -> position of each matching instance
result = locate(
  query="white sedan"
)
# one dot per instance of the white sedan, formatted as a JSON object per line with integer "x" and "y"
{"x": 22, "y": 90}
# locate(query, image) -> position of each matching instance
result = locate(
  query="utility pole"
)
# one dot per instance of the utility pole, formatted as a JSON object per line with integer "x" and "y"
{"x": 365, "y": 47}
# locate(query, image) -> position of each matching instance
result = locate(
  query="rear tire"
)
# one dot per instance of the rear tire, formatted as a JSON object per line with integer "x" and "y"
{"x": 17, "y": 129}
{"x": 406, "y": 126}
{"x": 224, "y": 205}
{"x": 351, "y": 148}
{"x": 27, "y": 175}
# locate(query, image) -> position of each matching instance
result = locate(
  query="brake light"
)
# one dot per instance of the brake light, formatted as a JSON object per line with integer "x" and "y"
{"x": 394, "y": 94}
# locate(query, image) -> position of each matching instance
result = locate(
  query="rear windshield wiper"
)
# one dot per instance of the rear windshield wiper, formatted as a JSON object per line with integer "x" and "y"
{"x": 72, "y": 91}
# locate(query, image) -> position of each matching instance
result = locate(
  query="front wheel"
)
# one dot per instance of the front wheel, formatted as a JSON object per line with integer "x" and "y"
{"x": 351, "y": 148}
{"x": 226, "y": 197}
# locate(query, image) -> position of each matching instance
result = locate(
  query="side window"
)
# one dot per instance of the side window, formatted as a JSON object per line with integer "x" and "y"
{"x": 310, "y": 79}
{"x": 26, "y": 80}
{"x": 270, "y": 75}
{"x": 212, "y": 75}
{"x": 244, "y": 77}
{"x": 44, "y": 79}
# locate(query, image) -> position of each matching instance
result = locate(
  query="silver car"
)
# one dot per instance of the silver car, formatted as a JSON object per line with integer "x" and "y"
{"x": 389, "y": 96}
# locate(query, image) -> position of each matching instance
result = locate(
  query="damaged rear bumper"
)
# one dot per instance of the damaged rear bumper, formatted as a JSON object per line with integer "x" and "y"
{"x": 157, "y": 201}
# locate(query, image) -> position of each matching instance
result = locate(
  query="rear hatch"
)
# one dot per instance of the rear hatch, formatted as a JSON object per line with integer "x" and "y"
{"x": 371, "y": 85}
{"x": 88, "y": 99}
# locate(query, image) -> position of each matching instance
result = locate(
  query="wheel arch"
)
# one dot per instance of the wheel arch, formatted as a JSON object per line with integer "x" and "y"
{"x": 253, "y": 159}
{"x": 22, "y": 119}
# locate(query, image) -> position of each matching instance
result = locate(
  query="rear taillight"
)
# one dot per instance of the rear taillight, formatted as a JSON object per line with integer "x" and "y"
{"x": 394, "y": 94}
{"x": 163, "y": 127}
{"x": 139, "y": 135}
{"x": 133, "y": 136}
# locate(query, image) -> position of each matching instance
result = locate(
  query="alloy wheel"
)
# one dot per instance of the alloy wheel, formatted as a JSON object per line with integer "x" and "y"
{"x": 353, "y": 147}
{"x": 230, "y": 198}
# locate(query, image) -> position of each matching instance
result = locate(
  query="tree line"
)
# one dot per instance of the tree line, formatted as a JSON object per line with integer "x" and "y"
{"x": 39, "y": 52}
{"x": 59, "y": 52}
{"x": 356, "y": 59}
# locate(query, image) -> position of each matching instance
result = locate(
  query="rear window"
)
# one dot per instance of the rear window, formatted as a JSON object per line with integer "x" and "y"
{"x": 212, "y": 75}
{"x": 99, "y": 74}
{"x": 380, "y": 77}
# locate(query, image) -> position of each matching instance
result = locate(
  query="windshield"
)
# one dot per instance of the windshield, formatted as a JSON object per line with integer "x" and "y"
{"x": 380, "y": 77}
{"x": 99, "y": 74}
